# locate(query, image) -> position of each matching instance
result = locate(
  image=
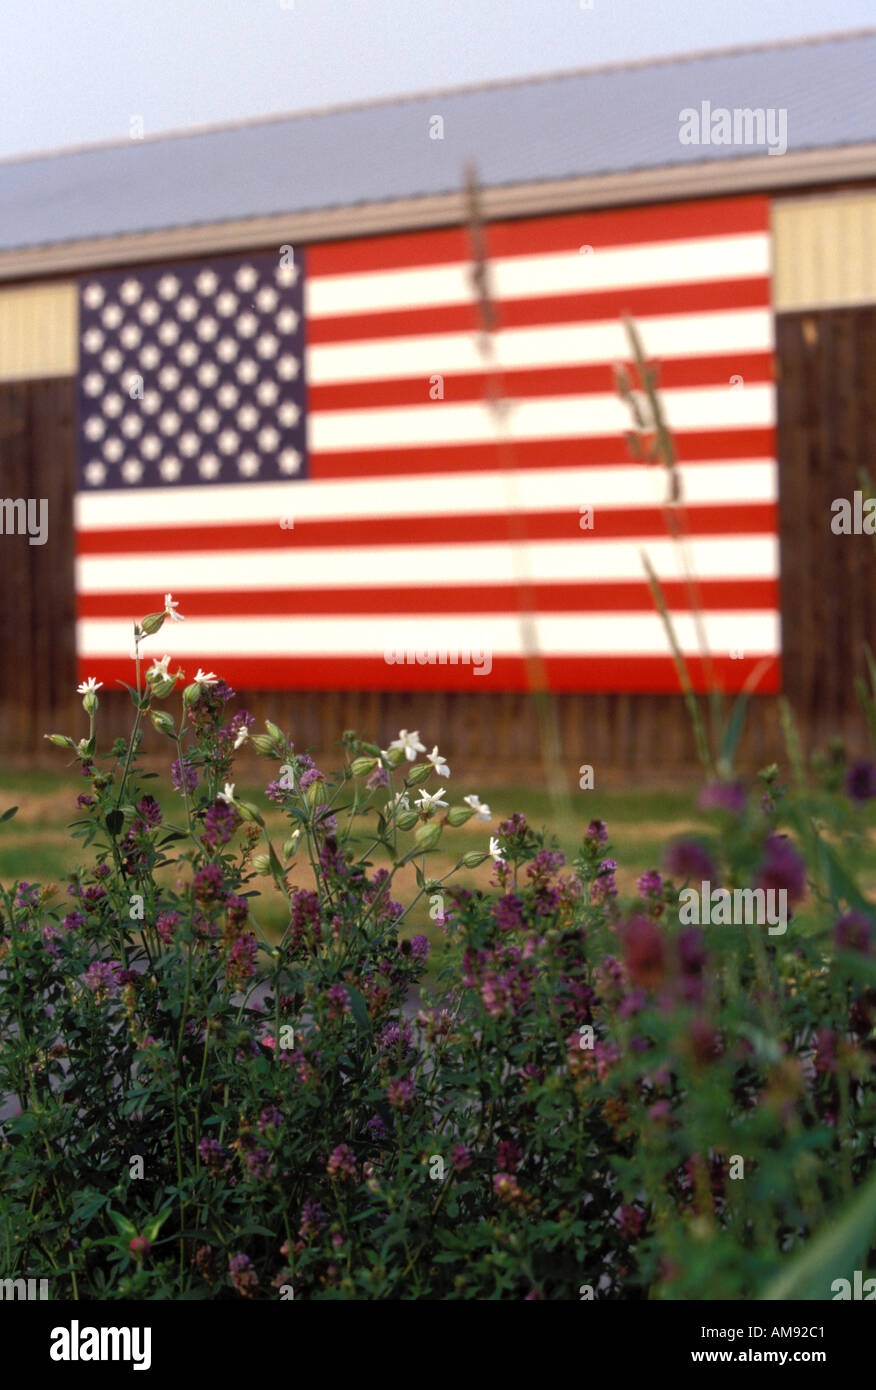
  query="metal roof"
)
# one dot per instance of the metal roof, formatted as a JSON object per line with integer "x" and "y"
{"x": 529, "y": 131}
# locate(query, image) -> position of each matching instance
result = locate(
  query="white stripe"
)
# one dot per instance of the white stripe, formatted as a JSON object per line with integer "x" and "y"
{"x": 592, "y": 634}
{"x": 465, "y": 494}
{"x": 696, "y": 259}
{"x": 548, "y": 417}
{"x": 565, "y": 345}
{"x": 584, "y": 559}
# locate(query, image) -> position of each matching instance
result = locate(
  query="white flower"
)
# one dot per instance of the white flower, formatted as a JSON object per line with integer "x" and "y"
{"x": 90, "y": 686}
{"x": 242, "y": 736}
{"x": 170, "y": 609}
{"x": 495, "y": 851}
{"x": 205, "y": 677}
{"x": 399, "y": 802}
{"x": 228, "y": 794}
{"x": 480, "y": 808}
{"x": 438, "y": 762}
{"x": 410, "y": 743}
{"x": 158, "y": 670}
{"x": 428, "y": 801}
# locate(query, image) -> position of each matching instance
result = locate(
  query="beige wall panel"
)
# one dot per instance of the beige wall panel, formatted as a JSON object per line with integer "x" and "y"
{"x": 824, "y": 251}
{"x": 38, "y": 331}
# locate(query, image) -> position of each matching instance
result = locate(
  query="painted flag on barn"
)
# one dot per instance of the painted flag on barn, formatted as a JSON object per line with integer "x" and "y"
{"x": 304, "y": 455}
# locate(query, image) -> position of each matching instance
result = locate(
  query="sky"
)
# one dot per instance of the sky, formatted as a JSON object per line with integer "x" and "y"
{"x": 76, "y": 72}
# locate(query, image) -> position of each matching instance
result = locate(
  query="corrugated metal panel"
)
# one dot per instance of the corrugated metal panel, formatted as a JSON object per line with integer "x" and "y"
{"x": 38, "y": 331}
{"x": 574, "y": 125}
{"x": 824, "y": 252}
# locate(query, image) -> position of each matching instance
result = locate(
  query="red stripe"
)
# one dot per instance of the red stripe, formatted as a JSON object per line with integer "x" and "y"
{"x": 758, "y": 518}
{"x": 598, "y": 450}
{"x": 610, "y": 596}
{"x": 640, "y": 674}
{"x": 583, "y": 307}
{"x": 566, "y": 231}
{"x": 518, "y": 384}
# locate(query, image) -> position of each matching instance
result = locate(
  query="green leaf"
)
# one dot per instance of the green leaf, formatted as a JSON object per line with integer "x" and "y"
{"x": 122, "y": 1224}
{"x": 114, "y": 822}
{"x": 7, "y": 815}
{"x": 360, "y": 1009}
{"x": 834, "y": 1253}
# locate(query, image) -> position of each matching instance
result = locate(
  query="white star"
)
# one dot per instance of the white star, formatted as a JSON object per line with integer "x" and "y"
{"x": 268, "y": 439}
{"x": 246, "y": 371}
{"x": 94, "y": 472}
{"x": 286, "y": 321}
{"x": 208, "y": 419}
{"x": 208, "y": 374}
{"x": 288, "y": 414}
{"x": 286, "y": 275}
{"x": 151, "y": 402}
{"x": 188, "y": 353}
{"x": 113, "y": 450}
{"x": 247, "y": 324}
{"x": 207, "y": 329}
{"x": 189, "y": 398}
{"x": 149, "y": 311}
{"x": 94, "y": 296}
{"x": 227, "y": 349}
{"x": 169, "y": 422}
{"x": 132, "y": 470}
{"x": 149, "y": 357}
{"x": 111, "y": 360}
{"x": 247, "y": 417}
{"x": 170, "y": 469}
{"x": 187, "y": 309}
{"x": 111, "y": 316}
{"x": 132, "y": 426}
{"x": 266, "y": 299}
{"x": 189, "y": 444}
{"x": 150, "y": 448}
{"x": 113, "y": 406}
{"x": 287, "y": 367}
{"x": 130, "y": 292}
{"x": 131, "y": 336}
{"x": 267, "y": 392}
{"x": 93, "y": 384}
{"x": 93, "y": 340}
{"x": 95, "y": 428}
{"x": 228, "y": 441}
{"x": 249, "y": 464}
{"x": 168, "y": 378}
{"x": 209, "y": 466}
{"x": 206, "y": 283}
{"x": 168, "y": 287}
{"x": 226, "y": 304}
{"x": 289, "y": 461}
{"x": 246, "y": 279}
{"x": 168, "y": 333}
{"x": 228, "y": 395}
{"x": 267, "y": 345}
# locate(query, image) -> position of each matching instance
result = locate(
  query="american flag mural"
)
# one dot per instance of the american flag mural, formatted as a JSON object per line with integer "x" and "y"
{"x": 300, "y": 448}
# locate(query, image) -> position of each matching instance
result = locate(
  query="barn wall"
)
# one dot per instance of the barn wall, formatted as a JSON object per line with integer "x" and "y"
{"x": 38, "y": 331}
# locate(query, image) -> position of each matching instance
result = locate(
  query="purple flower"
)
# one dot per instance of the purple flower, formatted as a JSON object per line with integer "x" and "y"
{"x": 243, "y": 1275}
{"x": 338, "y": 1001}
{"x": 782, "y": 868}
{"x": 378, "y": 778}
{"x": 400, "y": 1092}
{"x": 853, "y": 932}
{"x": 270, "y": 1118}
{"x": 650, "y": 883}
{"x": 73, "y": 921}
{"x": 597, "y": 832}
{"x": 460, "y": 1158}
{"x": 420, "y": 949}
{"x": 604, "y": 886}
{"x": 166, "y": 924}
{"x": 312, "y": 1218}
{"x": 150, "y": 810}
{"x": 208, "y": 884}
{"x": 688, "y": 859}
{"x": 861, "y": 781}
{"x": 220, "y": 823}
{"x": 723, "y": 796}
{"x": 643, "y": 952}
{"x": 376, "y": 1127}
{"x": 341, "y": 1162}
{"x": 508, "y": 912}
{"x": 82, "y": 801}
{"x": 210, "y": 1151}
{"x": 190, "y": 773}
{"x": 100, "y": 978}
{"x": 27, "y": 895}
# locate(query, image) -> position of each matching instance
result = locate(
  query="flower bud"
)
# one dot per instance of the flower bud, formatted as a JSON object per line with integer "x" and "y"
{"x": 406, "y": 820}
{"x": 152, "y": 623}
{"x": 394, "y": 756}
{"x": 139, "y": 1246}
{"x": 89, "y": 703}
{"x": 191, "y": 694}
{"x": 360, "y": 767}
{"x": 458, "y": 815}
{"x": 317, "y": 793}
{"x": 418, "y": 773}
{"x": 261, "y": 863}
{"x": 163, "y": 722}
{"x": 60, "y": 740}
{"x": 161, "y": 689}
{"x": 473, "y": 858}
{"x": 428, "y": 835}
{"x": 248, "y": 811}
{"x": 276, "y": 734}
{"x": 263, "y": 745}
{"x": 291, "y": 844}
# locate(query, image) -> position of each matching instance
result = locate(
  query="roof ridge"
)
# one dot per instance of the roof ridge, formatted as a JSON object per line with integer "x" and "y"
{"x": 279, "y": 118}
